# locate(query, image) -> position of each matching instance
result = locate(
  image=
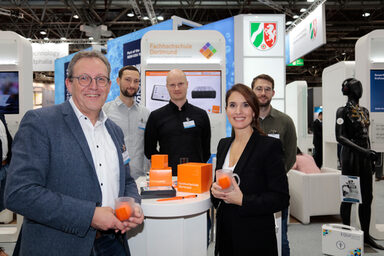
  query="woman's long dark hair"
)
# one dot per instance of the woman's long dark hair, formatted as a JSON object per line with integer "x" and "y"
{"x": 251, "y": 99}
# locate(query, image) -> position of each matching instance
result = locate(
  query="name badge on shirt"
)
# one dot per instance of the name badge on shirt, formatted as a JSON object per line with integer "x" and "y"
{"x": 142, "y": 124}
{"x": 274, "y": 135}
{"x": 189, "y": 124}
{"x": 126, "y": 157}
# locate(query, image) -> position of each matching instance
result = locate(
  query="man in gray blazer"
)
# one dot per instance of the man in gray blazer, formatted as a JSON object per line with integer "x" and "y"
{"x": 67, "y": 168}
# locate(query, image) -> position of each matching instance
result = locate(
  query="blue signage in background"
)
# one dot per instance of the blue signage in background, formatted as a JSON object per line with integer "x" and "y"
{"x": 377, "y": 90}
{"x": 116, "y": 52}
{"x": 132, "y": 53}
{"x": 132, "y": 56}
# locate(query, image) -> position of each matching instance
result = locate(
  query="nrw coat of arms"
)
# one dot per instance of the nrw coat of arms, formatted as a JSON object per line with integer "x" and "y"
{"x": 263, "y": 35}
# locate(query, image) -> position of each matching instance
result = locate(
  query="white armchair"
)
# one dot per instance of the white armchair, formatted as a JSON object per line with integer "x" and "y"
{"x": 314, "y": 194}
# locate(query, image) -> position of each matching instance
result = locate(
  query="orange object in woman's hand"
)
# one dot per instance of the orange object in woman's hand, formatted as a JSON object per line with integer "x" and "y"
{"x": 224, "y": 181}
{"x": 124, "y": 211}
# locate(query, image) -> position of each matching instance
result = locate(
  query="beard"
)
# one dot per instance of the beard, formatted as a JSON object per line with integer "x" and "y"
{"x": 266, "y": 104}
{"x": 126, "y": 93}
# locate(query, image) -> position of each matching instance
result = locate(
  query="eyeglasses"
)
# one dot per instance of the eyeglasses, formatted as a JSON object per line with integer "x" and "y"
{"x": 85, "y": 80}
{"x": 261, "y": 89}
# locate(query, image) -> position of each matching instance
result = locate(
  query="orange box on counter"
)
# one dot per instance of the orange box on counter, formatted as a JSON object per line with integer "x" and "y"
{"x": 160, "y": 177}
{"x": 159, "y": 161}
{"x": 194, "y": 177}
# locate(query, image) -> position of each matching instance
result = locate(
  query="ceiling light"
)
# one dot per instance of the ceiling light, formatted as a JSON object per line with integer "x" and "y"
{"x": 46, "y": 38}
{"x": 160, "y": 17}
{"x": 295, "y": 16}
{"x": 63, "y": 38}
{"x": 43, "y": 32}
{"x": 76, "y": 16}
{"x": 29, "y": 39}
{"x": 366, "y": 14}
{"x": 288, "y": 23}
{"x": 145, "y": 18}
{"x": 90, "y": 38}
{"x": 303, "y": 10}
{"x": 343, "y": 53}
{"x": 310, "y": 1}
{"x": 130, "y": 14}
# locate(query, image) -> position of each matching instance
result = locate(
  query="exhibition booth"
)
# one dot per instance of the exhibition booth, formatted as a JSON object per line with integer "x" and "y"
{"x": 15, "y": 99}
{"x": 213, "y": 62}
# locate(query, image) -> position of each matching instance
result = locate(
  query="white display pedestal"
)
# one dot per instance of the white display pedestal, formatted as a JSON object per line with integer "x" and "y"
{"x": 176, "y": 228}
{"x": 172, "y": 228}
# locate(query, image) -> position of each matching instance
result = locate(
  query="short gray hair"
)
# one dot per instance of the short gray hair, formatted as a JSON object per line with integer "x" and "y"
{"x": 87, "y": 54}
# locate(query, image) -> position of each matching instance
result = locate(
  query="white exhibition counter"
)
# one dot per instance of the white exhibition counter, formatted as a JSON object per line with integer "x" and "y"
{"x": 172, "y": 228}
{"x": 176, "y": 228}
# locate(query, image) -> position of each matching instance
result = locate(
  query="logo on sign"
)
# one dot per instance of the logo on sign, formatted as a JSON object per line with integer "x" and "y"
{"x": 208, "y": 50}
{"x": 340, "y": 245}
{"x": 263, "y": 35}
{"x": 313, "y": 29}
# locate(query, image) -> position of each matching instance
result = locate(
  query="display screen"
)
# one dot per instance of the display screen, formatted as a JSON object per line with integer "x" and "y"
{"x": 9, "y": 92}
{"x": 377, "y": 90}
{"x": 204, "y": 89}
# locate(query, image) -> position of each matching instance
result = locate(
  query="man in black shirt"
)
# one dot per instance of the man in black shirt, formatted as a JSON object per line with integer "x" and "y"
{"x": 182, "y": 130}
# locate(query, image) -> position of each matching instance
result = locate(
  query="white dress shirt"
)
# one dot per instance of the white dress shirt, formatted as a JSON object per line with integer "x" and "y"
{"x": 104, "y": 155}
{"x": 132, "y": 121}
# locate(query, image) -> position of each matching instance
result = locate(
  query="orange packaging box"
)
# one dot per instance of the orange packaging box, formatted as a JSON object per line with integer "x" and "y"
{"x": 160, "y": 177}
{"x": 159, "y": 161}
{"x": 194, "y": 177}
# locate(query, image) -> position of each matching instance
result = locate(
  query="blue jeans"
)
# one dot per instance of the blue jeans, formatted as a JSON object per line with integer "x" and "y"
{"x": 284, "y": 233}
{"x": 108, "y": 245}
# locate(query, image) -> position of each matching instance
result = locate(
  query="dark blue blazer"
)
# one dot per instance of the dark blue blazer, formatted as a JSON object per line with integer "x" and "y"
{"x": 52, "y": 182}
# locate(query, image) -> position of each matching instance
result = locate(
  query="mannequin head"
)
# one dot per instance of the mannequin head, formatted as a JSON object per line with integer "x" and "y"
{"x": 352, "y": 87}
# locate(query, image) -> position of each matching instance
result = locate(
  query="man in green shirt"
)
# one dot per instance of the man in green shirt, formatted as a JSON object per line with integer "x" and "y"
{"x": 279, "y": 125}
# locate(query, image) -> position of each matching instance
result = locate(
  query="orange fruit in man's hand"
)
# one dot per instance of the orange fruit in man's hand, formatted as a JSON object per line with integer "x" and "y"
{"x": 124, "y": 212}
{"x": 224, "y": 181}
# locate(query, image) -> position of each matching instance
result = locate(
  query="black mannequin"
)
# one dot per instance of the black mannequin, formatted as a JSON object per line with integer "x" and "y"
{"x": 352, "y": 123}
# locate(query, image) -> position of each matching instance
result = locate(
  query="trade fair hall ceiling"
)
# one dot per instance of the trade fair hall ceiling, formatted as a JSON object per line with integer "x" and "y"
{"x": 346, "y": 21}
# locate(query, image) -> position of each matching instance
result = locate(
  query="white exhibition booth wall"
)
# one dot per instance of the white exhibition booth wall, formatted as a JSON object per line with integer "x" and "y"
{"x": 369, "y": 69}
{"x": 369, "y": 55}
{"x": 296, "y": 107}
{"x": 16, "y": 98}
{"x": 16, "y": 78}
{"x": 333, "y": 76}
{"x": 260, "y": 49}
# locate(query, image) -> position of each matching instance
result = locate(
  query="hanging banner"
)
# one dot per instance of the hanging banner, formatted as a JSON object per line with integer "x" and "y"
{"x": 44, "y": 55}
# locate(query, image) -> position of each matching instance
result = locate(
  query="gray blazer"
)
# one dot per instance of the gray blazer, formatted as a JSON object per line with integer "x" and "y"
{"x": 52, "y": 182}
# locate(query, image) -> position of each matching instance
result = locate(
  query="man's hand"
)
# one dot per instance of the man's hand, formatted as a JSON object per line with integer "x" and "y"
{"x": 372, "y": 155}
{"x": 105, "y": 219}
{"x": 136, "y": 219}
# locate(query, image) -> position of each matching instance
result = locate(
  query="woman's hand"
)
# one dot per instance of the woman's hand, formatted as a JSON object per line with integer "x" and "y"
{"x": 217, "y": 191}
{"x": 233, "y": 197}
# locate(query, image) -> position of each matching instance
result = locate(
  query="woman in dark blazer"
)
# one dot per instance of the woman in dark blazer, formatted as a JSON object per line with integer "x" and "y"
{"x": 245, "y": 220}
